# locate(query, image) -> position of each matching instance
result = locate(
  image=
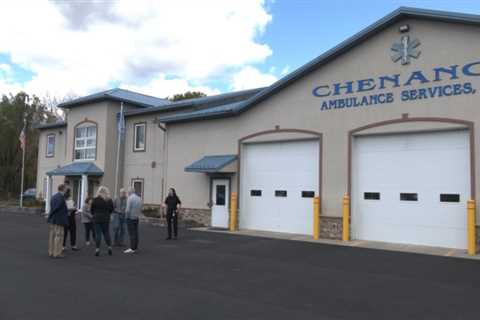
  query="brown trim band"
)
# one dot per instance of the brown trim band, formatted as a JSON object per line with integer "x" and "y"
{"x": 468, "y": 124}
{"x": 316, "y": 134}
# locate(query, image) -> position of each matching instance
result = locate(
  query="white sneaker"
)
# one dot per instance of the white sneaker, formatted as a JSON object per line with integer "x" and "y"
{"x": 129, "y": 251}
{"x": 88, "y": 243}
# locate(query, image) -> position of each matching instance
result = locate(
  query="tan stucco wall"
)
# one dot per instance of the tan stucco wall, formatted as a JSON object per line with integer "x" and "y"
{"x": 442, "y": 45}
{"x": 45, "y": 164}
{"x": 138, "y": 165}
{"x": 103, "y": 114}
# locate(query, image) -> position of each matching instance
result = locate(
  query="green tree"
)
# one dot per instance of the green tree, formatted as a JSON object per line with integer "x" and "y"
{"x": 187, "y": 95}
{"x": 13, "y": 110}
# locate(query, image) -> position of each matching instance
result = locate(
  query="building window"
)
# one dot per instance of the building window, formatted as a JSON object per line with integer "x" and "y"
{"x": 50, "y": 146}
{"x": 280, "y": 193}
{"x": 449, "y": 197}
{"x": 371, "y": 195}
{"x": 308, "y": 194}
{"x": 137, "y": 185}
{"x": 220, "y": 195}
{"x": 85, "y": 142}
{"x": 408, "y": 196}
{"x": 139, "y": 137}
{"x": 256, "y": 193}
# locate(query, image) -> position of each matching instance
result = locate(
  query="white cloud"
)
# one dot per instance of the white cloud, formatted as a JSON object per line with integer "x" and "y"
{"x": 5, "y": 69}
{"x": 250, "y": 77}
{"x": 285, "y": 70}
{"x": 162, "y": 87}
{"x": 83, "y": 46}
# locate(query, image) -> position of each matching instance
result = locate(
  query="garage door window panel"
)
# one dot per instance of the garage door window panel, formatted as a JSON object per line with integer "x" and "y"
{"x": 256, "y": 193}
{"x": 308, "y": 194}
{"x": 449, "y": 197}
{"x": 405, "y": 196}
{"x": 281, "y": 193}
{"x": 371, "y": 195}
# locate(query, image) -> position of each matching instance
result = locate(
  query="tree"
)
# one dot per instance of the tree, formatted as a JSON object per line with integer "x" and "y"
{"x": 187, "y": 95}
{"x": 13, "y": 110}
{"x": 51, "y": 102}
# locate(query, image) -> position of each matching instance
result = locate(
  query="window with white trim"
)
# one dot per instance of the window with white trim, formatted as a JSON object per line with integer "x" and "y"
{"x": 50, "y": 152}
{"x": 85, "y": 142}
{"x": 139, "y": 133}
{"x": 137, "y": 185}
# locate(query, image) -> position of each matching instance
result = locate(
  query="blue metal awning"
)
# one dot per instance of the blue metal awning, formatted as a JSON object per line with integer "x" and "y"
{"x": 77, "y": 169}
{"x": 211, "y": 163}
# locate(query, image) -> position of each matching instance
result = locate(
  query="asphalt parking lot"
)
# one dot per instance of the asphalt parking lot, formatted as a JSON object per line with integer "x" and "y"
{"x": 217, "y": 276}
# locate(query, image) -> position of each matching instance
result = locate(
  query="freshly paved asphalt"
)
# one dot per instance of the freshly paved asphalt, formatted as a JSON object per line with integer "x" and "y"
{"x": 217, "y": 276}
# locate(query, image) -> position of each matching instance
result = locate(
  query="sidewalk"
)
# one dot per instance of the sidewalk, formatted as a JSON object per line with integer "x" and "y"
{"x": 435, "y": 251}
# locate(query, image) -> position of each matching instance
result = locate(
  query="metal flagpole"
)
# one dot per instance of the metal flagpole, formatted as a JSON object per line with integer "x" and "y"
{"x": 120, "y": 129}
{"x": 23, "y": 144}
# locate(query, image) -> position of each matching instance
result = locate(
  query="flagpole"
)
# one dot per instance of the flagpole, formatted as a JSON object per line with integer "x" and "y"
{"x": 23, "y": 163}
{"x": 119, "y": 142}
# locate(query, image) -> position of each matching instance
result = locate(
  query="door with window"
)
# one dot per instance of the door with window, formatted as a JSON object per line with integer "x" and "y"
{"x": 220, "y": 202}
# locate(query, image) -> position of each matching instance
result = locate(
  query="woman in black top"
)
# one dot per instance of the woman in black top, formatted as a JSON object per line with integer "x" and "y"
{"x": 101, "y": 209}
{"x": 172, "y": 203}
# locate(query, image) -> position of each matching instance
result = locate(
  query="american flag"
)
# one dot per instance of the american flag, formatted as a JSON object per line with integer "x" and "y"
{"x": 23, "y": 138}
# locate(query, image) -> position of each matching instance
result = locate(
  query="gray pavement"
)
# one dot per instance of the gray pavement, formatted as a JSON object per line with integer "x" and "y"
{"x": 220, "y": 276}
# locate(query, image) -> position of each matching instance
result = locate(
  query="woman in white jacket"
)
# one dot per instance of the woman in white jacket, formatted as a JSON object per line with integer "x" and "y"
{"x": 87, "y": 220}
{"x": 72, "y": 223}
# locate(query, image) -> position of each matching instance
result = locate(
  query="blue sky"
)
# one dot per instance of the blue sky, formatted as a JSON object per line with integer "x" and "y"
{"x": 301, "y": 30}
{"x": 82, "y": 47}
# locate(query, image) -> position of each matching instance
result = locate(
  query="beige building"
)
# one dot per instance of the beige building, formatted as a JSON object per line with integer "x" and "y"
{"x": 387, "y": 117}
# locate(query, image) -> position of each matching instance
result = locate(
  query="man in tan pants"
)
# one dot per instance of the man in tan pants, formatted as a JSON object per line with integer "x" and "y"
{"x": 58, "y": 219}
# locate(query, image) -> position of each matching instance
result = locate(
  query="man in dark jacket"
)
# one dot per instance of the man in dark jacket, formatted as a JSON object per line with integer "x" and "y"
{"x": 58, "y": 219}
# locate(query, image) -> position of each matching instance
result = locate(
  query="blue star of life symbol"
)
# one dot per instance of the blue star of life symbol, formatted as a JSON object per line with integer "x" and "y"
{"x": 405, "y": 49}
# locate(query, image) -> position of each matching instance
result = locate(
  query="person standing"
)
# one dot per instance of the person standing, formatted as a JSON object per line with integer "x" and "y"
{"x": 172, "y": 204}
{"x": 72, "y": 223}
{"x": 87, "y": 220}
{"x": 101, "y": 209}
{"x": 118, "y": 221}
{"x": 57, "y": 218}
{"x": 132, "y": 215}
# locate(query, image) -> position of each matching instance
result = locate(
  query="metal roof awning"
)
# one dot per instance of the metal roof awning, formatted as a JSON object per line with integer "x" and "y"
{"x": 77, "y": 169}
{"x": 212, "y": 164}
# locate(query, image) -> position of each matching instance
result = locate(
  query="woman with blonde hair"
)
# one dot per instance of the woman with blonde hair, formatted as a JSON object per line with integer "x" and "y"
{"x": 101, "y": 209}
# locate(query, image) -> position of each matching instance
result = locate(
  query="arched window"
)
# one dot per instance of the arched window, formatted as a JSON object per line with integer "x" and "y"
{"x": 85, "y": 144}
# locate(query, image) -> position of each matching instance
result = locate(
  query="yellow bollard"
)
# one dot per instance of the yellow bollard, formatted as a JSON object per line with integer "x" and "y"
{"x": 233, "y": 212}
{"x": 472, "y": 233}
{"x": 346, "y": 218}
{"x": 316, "y": 218}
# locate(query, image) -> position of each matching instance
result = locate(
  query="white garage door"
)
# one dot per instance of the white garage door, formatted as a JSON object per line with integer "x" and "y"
{"x": 411, "y": 188}
{"x": 278, "y": 182}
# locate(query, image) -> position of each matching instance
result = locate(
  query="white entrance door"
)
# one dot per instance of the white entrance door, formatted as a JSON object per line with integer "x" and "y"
{"x": 278, "y": 183}
{"x": 77, "y": 192}
{"x": 411, "y": 188}
{"x": 220, "y": 202}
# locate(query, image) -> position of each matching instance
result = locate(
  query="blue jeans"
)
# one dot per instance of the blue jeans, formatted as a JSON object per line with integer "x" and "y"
{"x": 102, "y": 229}
{"x": 118, "y": 224}
{"x": 132, "y": 225}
